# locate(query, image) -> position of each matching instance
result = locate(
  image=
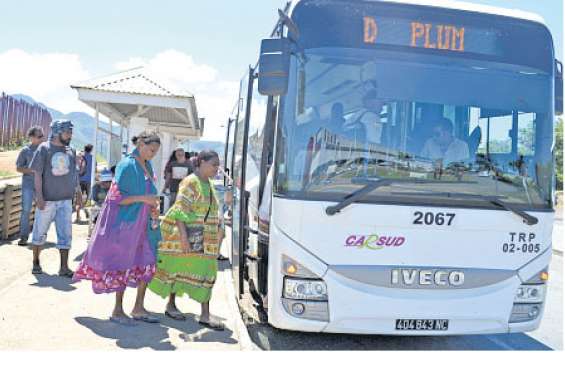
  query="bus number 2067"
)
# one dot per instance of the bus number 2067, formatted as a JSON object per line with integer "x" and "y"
{"x": 430, "y": 218}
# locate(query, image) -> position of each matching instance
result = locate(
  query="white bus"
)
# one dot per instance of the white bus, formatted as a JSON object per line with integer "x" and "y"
{"x": 393, "y": 169}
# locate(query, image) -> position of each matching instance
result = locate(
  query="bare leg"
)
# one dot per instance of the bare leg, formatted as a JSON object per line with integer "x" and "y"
{"x": 205, "y": 312}
{"x": 36, "y": 265}
{"x": 172, "y": 310}
{"x": 138, "y": 309}
{"x": 207, "y": 320}
{"x": 64, "y": 270}
{"x": 77, "y": 209}
{"x": 118, "y": 308}
{"x": 139, "y": 313}
{"x": 171, "y": 305}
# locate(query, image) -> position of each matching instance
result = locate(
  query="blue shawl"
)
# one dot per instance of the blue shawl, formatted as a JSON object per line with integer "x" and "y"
{"x": 130, "y": 179}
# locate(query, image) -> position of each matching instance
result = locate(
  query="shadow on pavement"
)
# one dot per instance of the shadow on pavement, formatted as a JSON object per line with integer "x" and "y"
{"x": 269, "y": 338}
{"x": 53, "y": 281}
{"x": 155, "y": 336}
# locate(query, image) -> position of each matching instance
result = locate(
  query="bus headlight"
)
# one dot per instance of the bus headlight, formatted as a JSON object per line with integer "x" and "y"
{"x": 299, "y": 289}
{"x": 529, "y": 294}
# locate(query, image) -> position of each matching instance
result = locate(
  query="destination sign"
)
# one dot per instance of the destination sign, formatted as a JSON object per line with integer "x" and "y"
{"x": 396, "y": 27}
{"x": 428, "y": 35}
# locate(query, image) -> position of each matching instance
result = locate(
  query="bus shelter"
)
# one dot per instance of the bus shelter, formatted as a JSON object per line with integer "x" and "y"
{"x": 135, "y": 102}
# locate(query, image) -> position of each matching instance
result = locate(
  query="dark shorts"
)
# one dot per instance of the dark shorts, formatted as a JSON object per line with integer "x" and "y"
{"x": 85, "y": 188}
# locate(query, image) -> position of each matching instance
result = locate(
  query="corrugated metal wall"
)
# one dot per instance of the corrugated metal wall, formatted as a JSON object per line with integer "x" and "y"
{"x": 17, "y": 117}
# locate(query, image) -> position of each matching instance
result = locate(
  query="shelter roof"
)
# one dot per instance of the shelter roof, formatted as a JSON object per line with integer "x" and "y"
{"x": 134, "y": 93}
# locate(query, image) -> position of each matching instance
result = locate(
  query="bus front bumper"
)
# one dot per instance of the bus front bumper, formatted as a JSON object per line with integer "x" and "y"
{"x": 365, "y": 309}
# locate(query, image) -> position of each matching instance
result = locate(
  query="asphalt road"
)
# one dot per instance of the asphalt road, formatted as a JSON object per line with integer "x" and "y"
{"x": 548, "y": 337}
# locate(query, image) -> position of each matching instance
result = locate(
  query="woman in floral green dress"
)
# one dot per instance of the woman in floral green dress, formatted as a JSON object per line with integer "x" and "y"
{"x": 191, "y": 236}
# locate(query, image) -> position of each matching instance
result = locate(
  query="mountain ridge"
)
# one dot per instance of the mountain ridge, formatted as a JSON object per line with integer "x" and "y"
{"x": 83, "y": 133}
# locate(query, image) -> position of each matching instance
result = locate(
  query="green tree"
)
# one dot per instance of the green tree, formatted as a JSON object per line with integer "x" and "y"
{"x": 559, "y": 153}
{"x": 526, "y": 136}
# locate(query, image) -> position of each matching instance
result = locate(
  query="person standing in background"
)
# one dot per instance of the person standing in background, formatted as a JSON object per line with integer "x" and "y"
{"x": 85, "y": 173}
{"x": 35, "y": 135}
{"x": 56, "y": 179}
{"x": 176, "y": 170}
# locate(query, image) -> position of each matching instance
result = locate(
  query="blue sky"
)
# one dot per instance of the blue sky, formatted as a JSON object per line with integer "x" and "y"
{"x": 46, "y": 44}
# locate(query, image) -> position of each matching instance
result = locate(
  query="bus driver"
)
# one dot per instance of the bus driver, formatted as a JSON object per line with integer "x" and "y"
{"x": 444, "y": 146}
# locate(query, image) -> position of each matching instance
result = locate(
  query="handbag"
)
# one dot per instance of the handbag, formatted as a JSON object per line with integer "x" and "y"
{"x": 195, "y": 233}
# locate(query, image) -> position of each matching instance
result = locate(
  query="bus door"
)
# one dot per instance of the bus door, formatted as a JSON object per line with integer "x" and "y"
{"x": 228, "y": 152}
{"x": 259, "y": 160}
{"x": 239, "y": 162}
{"x": 253, "y": 145}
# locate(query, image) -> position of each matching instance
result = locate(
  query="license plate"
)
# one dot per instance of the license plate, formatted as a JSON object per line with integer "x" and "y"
{"x": 422, "y": 324}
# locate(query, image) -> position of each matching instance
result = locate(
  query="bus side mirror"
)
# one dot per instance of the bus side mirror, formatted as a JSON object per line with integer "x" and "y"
{"x": 274, "y": 65}
{"x": 558, "y": 88}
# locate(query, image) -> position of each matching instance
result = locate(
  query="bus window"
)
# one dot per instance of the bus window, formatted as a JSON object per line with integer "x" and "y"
{"x": 496, "y": 127}
{"x": 239, "y": 133}
{"x": 336, "y": 132}
{"x": 230, "y": 141}
{"x": 257, "y": 117}
{"x": 526, "y": 134}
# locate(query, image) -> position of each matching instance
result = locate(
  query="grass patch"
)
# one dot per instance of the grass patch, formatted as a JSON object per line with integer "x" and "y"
{"x": 4, "y": 173}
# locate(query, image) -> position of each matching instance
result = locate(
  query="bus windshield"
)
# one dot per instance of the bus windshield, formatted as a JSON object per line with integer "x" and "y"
{"x": 454, "y": 126}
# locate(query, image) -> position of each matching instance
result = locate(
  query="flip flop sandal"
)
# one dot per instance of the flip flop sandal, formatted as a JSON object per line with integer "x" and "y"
{"x": 66, "y": 274}
{"x": 213, "y": 326}
{"x": 36, "y": 270}
{"x": 145, "y": 318}
{"x": 175, "y": 315}
{"x": 222, "y": 258}
{"x": 124, "y": 321}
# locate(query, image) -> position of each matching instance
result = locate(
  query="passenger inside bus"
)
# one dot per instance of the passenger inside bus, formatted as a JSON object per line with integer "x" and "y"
{"x": 337, "y": 119}
{"x": 368, "y": 117}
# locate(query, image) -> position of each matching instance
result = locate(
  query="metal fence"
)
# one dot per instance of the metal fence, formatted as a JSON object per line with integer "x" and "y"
{"x": 17, "y": 117}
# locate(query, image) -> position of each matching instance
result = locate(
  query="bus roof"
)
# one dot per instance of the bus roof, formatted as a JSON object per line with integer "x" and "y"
{"x": 461, "y": 5}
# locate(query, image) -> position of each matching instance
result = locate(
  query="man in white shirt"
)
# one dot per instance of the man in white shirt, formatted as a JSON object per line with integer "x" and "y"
{"x": 444, "y": 146}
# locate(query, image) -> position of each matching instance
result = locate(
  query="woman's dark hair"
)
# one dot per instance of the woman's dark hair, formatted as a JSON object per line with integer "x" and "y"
{"x": 206, "y": 155}
{"x": 146, "y": 138}
{"x": 173, "y": 158}
{"x": 88, "y": 148}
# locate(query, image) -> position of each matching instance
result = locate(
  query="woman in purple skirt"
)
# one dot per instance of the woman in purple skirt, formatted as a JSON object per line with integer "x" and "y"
{"x": 122, "y": 251}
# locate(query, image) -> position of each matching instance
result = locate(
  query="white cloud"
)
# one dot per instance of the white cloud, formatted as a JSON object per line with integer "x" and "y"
{"x": 215, "y": 97}
{"x": 45, "y": 77}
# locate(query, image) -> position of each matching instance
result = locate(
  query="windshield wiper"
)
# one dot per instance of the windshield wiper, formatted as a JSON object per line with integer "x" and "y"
{"x": 374, "y": 184}
{"x": 526, "y": 218}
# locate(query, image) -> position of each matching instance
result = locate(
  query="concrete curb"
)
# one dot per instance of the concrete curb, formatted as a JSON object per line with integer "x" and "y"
{"x": 246, "y": 344}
